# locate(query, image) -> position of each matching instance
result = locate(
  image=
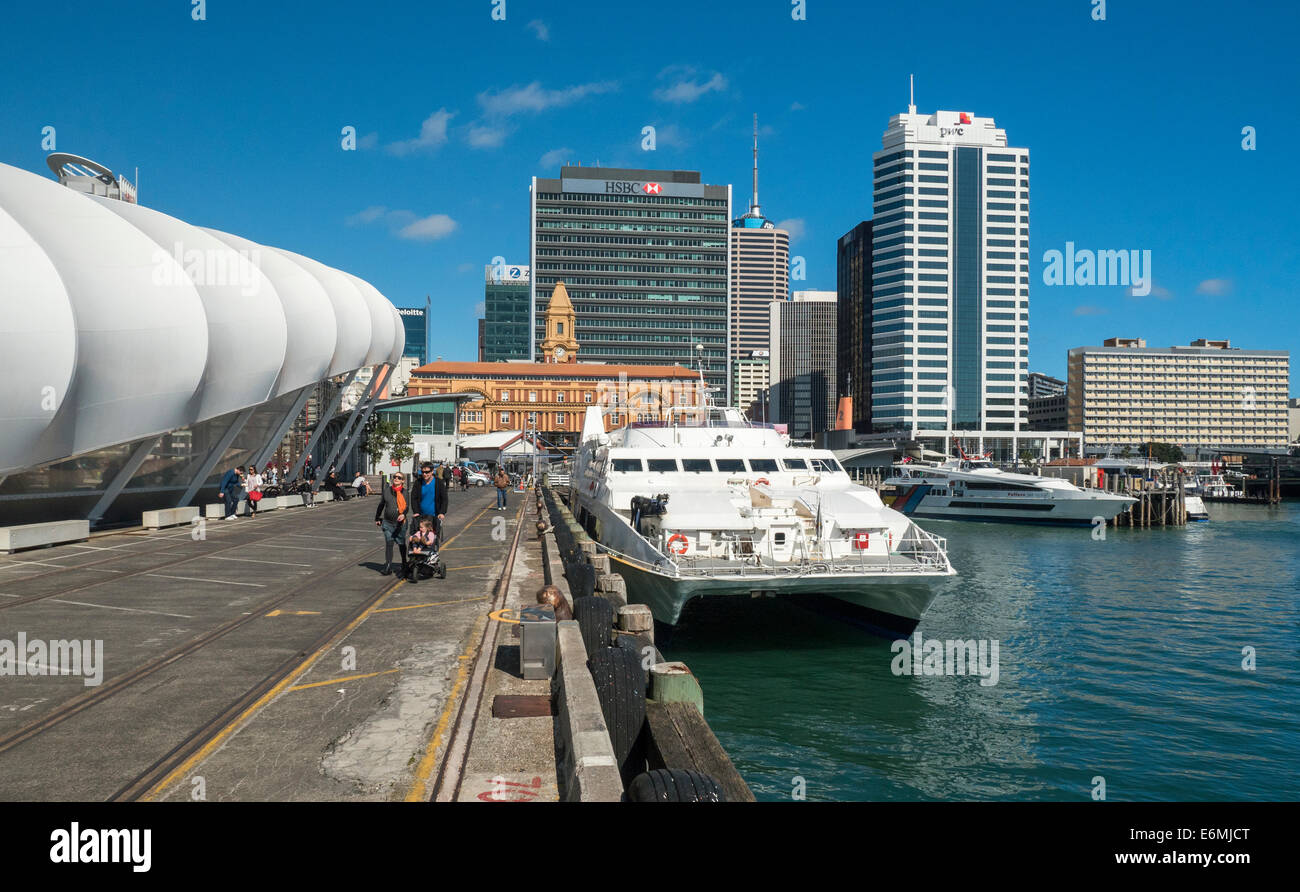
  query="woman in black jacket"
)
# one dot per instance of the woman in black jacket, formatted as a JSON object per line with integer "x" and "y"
{"x": 391, "y": 516}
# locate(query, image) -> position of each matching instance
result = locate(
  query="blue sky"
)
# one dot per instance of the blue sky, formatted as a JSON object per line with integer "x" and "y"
{"x": 1134, "y": 125}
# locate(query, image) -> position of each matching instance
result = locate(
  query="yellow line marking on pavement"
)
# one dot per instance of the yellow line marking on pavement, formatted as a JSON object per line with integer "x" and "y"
{"x": 422, "y": 773}
{"x": 470, "y": 567}
{"x": 211, "y": 746}
{"x": 279, "y": 612}
{"x": 418, "y": 791}
{"x": 469, "y": 547}
{"x": 501, "y": 617}
{"x": 433, "y": 604}
{"x": 464, "y": 528}
{"x": 317, "y": 684}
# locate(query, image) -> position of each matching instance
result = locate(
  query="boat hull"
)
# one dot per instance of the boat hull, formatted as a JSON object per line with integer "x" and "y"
{"x": 886, "y": 599}
{"x": 919, "y": 501}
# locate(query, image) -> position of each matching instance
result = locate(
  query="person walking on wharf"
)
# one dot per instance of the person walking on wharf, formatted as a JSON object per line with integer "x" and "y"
{"x": 309, "y": 476}
{"x": 502, "y": 482}
{"x": 391, "y": 516}
{"x": 429, "y": 496}
{"x": 232, "y": 483}
{"x": 253, "y": 486}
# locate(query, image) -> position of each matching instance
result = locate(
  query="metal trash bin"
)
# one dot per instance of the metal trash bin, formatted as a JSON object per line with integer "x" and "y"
{"x": 537, "y": 642}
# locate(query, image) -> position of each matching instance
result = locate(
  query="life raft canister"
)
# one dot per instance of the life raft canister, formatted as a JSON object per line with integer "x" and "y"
{"x": 762, "y": 481}
{"x": 862, "y": 540}
{"x": 677, "y": 544}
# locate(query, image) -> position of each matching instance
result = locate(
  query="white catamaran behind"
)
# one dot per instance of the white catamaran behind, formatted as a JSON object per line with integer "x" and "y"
{"x": 708, "y": 503}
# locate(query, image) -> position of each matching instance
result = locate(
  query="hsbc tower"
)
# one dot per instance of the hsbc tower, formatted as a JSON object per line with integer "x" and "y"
{"x": 950, "y": 279}
{"x": 643, "y": 256}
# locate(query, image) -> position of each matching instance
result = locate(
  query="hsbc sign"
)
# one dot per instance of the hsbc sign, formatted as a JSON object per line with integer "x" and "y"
{"x": 630, "y": 187}
{"x": 633, "y": 187}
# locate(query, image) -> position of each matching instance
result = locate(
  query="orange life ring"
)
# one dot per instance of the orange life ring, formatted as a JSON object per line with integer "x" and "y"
{"x": 676, "y": 538}
{"x": 762, "y": 481}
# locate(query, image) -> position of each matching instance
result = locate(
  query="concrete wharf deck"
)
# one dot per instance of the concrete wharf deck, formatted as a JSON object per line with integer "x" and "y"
{"x": 265, "y": 659}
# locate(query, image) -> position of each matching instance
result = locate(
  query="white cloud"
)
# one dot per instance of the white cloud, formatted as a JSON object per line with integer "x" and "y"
{"x": 480, "y": 308}
{"x": 492, "y": 128}
{"x": 485, "y": 136}
{"x": 428, "y": 229}
{"x": 539, "y": 28}
{"x": 369, "y": 215}
{"x": 1157, "y": 291}
{"x": 433, "y": 133}
{"x": 535, "y": 98}
{"x": 795, "y": 226}
{"x": 1089, "y": 310}
{"x": 464, "y": 267}
{"x": 688, "y": 89}
{"x": 796, "y": 106}
{"x": 555, "y": 157}
{"x": 1214, "y": 287}
{"x": 671, "y": 136}
{"x": 369, "y": 141}
{"x": 406, "y": 224}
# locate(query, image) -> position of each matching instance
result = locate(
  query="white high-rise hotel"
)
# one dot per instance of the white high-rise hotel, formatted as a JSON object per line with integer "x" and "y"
{"x": 950, "y": 278}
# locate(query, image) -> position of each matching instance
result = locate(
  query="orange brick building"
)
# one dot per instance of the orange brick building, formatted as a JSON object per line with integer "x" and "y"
{"x": 553, "y": 395}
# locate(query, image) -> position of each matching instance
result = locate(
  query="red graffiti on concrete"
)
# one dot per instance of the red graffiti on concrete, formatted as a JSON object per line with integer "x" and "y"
{"x": 509, "y": 791}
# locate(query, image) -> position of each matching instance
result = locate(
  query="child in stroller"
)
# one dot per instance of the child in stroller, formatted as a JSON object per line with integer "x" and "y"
{"x": 422, "y": 553}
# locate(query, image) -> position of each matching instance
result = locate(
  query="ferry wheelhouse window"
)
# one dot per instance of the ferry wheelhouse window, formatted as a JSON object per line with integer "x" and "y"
{"x": 765, "y": 465}
{"x": 794, "y": 464}
{"x": 628, "y": 464}
{"x": 662, "y": 464}
{"x": 826, "y": 465}
{"x": 731, "y": 465}
{"x": 696, "y": 465}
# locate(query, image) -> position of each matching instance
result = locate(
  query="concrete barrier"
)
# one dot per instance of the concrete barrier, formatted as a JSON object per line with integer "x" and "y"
{"x": 587, "y": 766}
{"x": 168, "y": 517}
{"x": 36, "y": 535}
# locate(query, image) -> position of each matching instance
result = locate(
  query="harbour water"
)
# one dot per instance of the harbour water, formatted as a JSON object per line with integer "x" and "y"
{"x": 1120, "y": 659}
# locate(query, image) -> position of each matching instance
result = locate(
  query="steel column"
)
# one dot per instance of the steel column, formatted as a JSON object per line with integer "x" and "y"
{"x": 214, "y": 456}
{"x": 361, "y": 425}
{"x": 121, "y": 478}
{"x": 320, "y": 427}
{"x": 265, "y": 455}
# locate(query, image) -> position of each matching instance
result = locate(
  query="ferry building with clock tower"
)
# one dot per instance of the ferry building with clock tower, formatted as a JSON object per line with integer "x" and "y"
{"x": 552, "y": 396}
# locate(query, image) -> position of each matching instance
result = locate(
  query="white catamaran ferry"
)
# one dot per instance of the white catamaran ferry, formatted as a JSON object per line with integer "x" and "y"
{"x": 971, "y": 488}
{"x": 708, "y": 503}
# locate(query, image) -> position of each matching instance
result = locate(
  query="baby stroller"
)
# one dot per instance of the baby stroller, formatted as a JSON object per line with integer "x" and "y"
{"x": 422, "y": 558}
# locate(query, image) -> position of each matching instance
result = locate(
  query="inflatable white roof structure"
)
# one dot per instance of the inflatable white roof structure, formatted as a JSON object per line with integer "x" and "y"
{"x": 118, "y": 322}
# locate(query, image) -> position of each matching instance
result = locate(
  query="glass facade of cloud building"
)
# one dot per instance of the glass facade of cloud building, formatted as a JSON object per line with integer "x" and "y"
{"x": 950, "y": 276}
{"x": 643, "y": 254}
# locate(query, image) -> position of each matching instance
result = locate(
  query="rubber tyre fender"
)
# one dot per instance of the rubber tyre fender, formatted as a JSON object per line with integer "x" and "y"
{"x": 637, "y": 644}
{"x": 582, "y": 581}
{"x": 595, "y": 618}
{"x": 620, "y": 688}
{"x": 674, "y": 785}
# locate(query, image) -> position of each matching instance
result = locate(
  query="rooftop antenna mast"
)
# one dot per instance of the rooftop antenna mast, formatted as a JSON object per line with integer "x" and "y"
{"x": 753, "y": 205}
{"x": 911, "y": 94}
